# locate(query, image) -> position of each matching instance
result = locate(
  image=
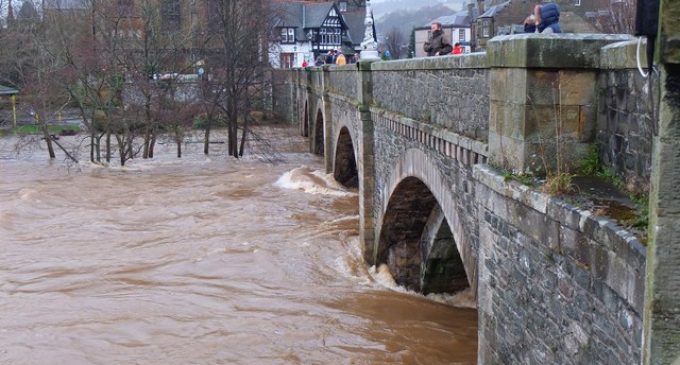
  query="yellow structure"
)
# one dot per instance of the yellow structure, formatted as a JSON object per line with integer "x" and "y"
{"x": 12, "y": 93}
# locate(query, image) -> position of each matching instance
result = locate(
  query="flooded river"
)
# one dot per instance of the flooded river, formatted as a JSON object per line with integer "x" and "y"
{"x": 202, "y": 261}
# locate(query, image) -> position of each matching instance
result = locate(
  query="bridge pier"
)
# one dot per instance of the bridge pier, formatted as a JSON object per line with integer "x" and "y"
{"x": 367, "y": 161}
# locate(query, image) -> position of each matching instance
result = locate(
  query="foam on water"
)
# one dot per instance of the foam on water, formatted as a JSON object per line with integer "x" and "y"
{"x": 312, "y": 182}
{"x": 462, "y": 299}
{"x": 354, "y": 267}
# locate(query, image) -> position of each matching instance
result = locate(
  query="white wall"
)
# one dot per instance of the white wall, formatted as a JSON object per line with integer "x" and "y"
{"x": 302, "y": 51}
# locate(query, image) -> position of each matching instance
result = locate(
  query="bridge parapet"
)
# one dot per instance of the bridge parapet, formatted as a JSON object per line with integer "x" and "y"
{"x": 342, "y": 80}
{"x": 449, "y": 92}
{"x": 543, "y": 98}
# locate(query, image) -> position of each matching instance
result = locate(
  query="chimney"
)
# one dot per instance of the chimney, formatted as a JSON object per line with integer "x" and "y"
{"x": 480, "y": 7}
{"x": 471, "y": 10}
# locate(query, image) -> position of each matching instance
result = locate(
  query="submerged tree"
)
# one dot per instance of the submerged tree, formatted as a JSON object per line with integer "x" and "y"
{"x": 237, "y": 40}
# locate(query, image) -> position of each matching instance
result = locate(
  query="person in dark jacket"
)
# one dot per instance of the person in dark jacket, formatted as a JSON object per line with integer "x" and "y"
{"x": 546, "y": 19}
{"x": 438, "y": 44}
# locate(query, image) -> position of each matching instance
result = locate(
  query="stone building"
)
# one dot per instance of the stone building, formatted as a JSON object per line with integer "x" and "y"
{"x": 307, "y": 30}
{"x": 312, "y": 28}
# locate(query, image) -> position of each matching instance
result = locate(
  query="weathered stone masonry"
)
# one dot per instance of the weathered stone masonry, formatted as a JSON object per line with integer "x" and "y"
{"x": 554, "y": 284}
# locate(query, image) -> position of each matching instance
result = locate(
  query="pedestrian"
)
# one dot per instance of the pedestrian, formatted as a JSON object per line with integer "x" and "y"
{"x": 341, "y": 60}
{"x": 305, "y": 64}
{"x": 545, "y": 19}
{"x": 330, "y": 57}
{"x": 319, "y": 61}
{"x": 438, "y": 44}
{"x": 457, "y": 49}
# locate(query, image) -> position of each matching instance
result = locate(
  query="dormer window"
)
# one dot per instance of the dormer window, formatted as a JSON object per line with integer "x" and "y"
{"x": 342, "y": 6}
{"x": 288, "y": 35}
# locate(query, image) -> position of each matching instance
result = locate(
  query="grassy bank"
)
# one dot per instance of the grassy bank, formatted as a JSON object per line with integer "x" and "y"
{"x": 28, "y": 129}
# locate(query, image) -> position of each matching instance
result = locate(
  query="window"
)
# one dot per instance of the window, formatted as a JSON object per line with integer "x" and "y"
{"x": 461, "y": 35}
{"x": 343, "y": 6}
{"x": 170, "y": 15}
{"x": 288, "y": 35}
{"x": 287, "y": 60}
{"x": 486, "y": 28}
{"x": 330, "y": 36}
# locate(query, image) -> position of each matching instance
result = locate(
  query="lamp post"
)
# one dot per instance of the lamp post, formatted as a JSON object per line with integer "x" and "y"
{"x": 369, "y": 47}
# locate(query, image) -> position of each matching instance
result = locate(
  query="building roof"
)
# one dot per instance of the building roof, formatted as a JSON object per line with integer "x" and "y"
{"x": 4, "y": 90}
{"x": 457, "y": 20}
{"x": 316, "y": 13}
{"x": 355, "y": 25}
{"x": 301, "y": 16}
{"x": 494, "y": 10}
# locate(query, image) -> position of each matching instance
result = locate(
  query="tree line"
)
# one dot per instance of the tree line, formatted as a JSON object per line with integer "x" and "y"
{"x": 136, "y": 71}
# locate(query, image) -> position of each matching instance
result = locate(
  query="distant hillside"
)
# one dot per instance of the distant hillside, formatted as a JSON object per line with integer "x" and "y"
{"x": 381, "y": 9}
{"x": 405, "y": 20}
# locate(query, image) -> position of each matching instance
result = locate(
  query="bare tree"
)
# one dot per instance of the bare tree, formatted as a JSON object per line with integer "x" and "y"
{"x": 395, "y": 42}
{"x": 239, "y": 33}
{"x": 620, "y": 18}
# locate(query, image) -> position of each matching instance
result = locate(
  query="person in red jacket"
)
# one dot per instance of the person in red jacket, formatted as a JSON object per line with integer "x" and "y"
{"x": 457, "y": 49}
{"x": 305, "y": 64}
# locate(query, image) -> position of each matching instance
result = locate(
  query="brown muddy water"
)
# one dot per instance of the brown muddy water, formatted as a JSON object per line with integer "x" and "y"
{"x": 202, "y": 261}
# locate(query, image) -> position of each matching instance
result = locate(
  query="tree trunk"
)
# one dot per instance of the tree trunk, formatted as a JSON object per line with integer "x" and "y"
{"x": 179, "y": 148}
{"x": 68, "y": 154}
{"x": 130, "y": 152}
{"x": 147, "y": 144}
{"x": 98, "y": 145}
{"x": 149, "y": 128}
{"x": 108, "y": 146}
{"x": 243, "y": 137}
{"x": 234, "y": 137}
{"x": 92, "y": 145}
{"x": 152, "y": 145}
{"x": 206, "y": 141}
{"x": 121, "y": 150}
{"x": 48, "y": 140}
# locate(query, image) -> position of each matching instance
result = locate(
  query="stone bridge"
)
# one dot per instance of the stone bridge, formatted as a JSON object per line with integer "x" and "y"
{"x": 429, "y": 142}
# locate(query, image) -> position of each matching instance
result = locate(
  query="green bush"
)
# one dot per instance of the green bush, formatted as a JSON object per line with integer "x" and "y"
{"x": 201, "y": 122}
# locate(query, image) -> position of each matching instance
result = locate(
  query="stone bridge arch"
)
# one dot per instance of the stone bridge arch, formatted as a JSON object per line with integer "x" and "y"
{"x": 345, "y": 169}
{"x": 420, "y": 236}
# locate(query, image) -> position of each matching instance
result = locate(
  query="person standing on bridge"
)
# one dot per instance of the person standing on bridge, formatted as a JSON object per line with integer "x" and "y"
{"x": 438, "y": 44}
{"x": 545, "y": 19}
{"x": 340, "y": 59}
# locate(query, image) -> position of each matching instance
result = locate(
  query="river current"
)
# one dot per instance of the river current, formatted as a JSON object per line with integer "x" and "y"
{"x": 203, "y": 260}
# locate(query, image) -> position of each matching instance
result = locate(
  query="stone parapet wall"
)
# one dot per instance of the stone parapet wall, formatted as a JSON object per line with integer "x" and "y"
{"x": 625, "y": 122}
{"x": 342, "y": 80}
{"x": 451, "y": 92}
{"x": 557, "y": 285}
